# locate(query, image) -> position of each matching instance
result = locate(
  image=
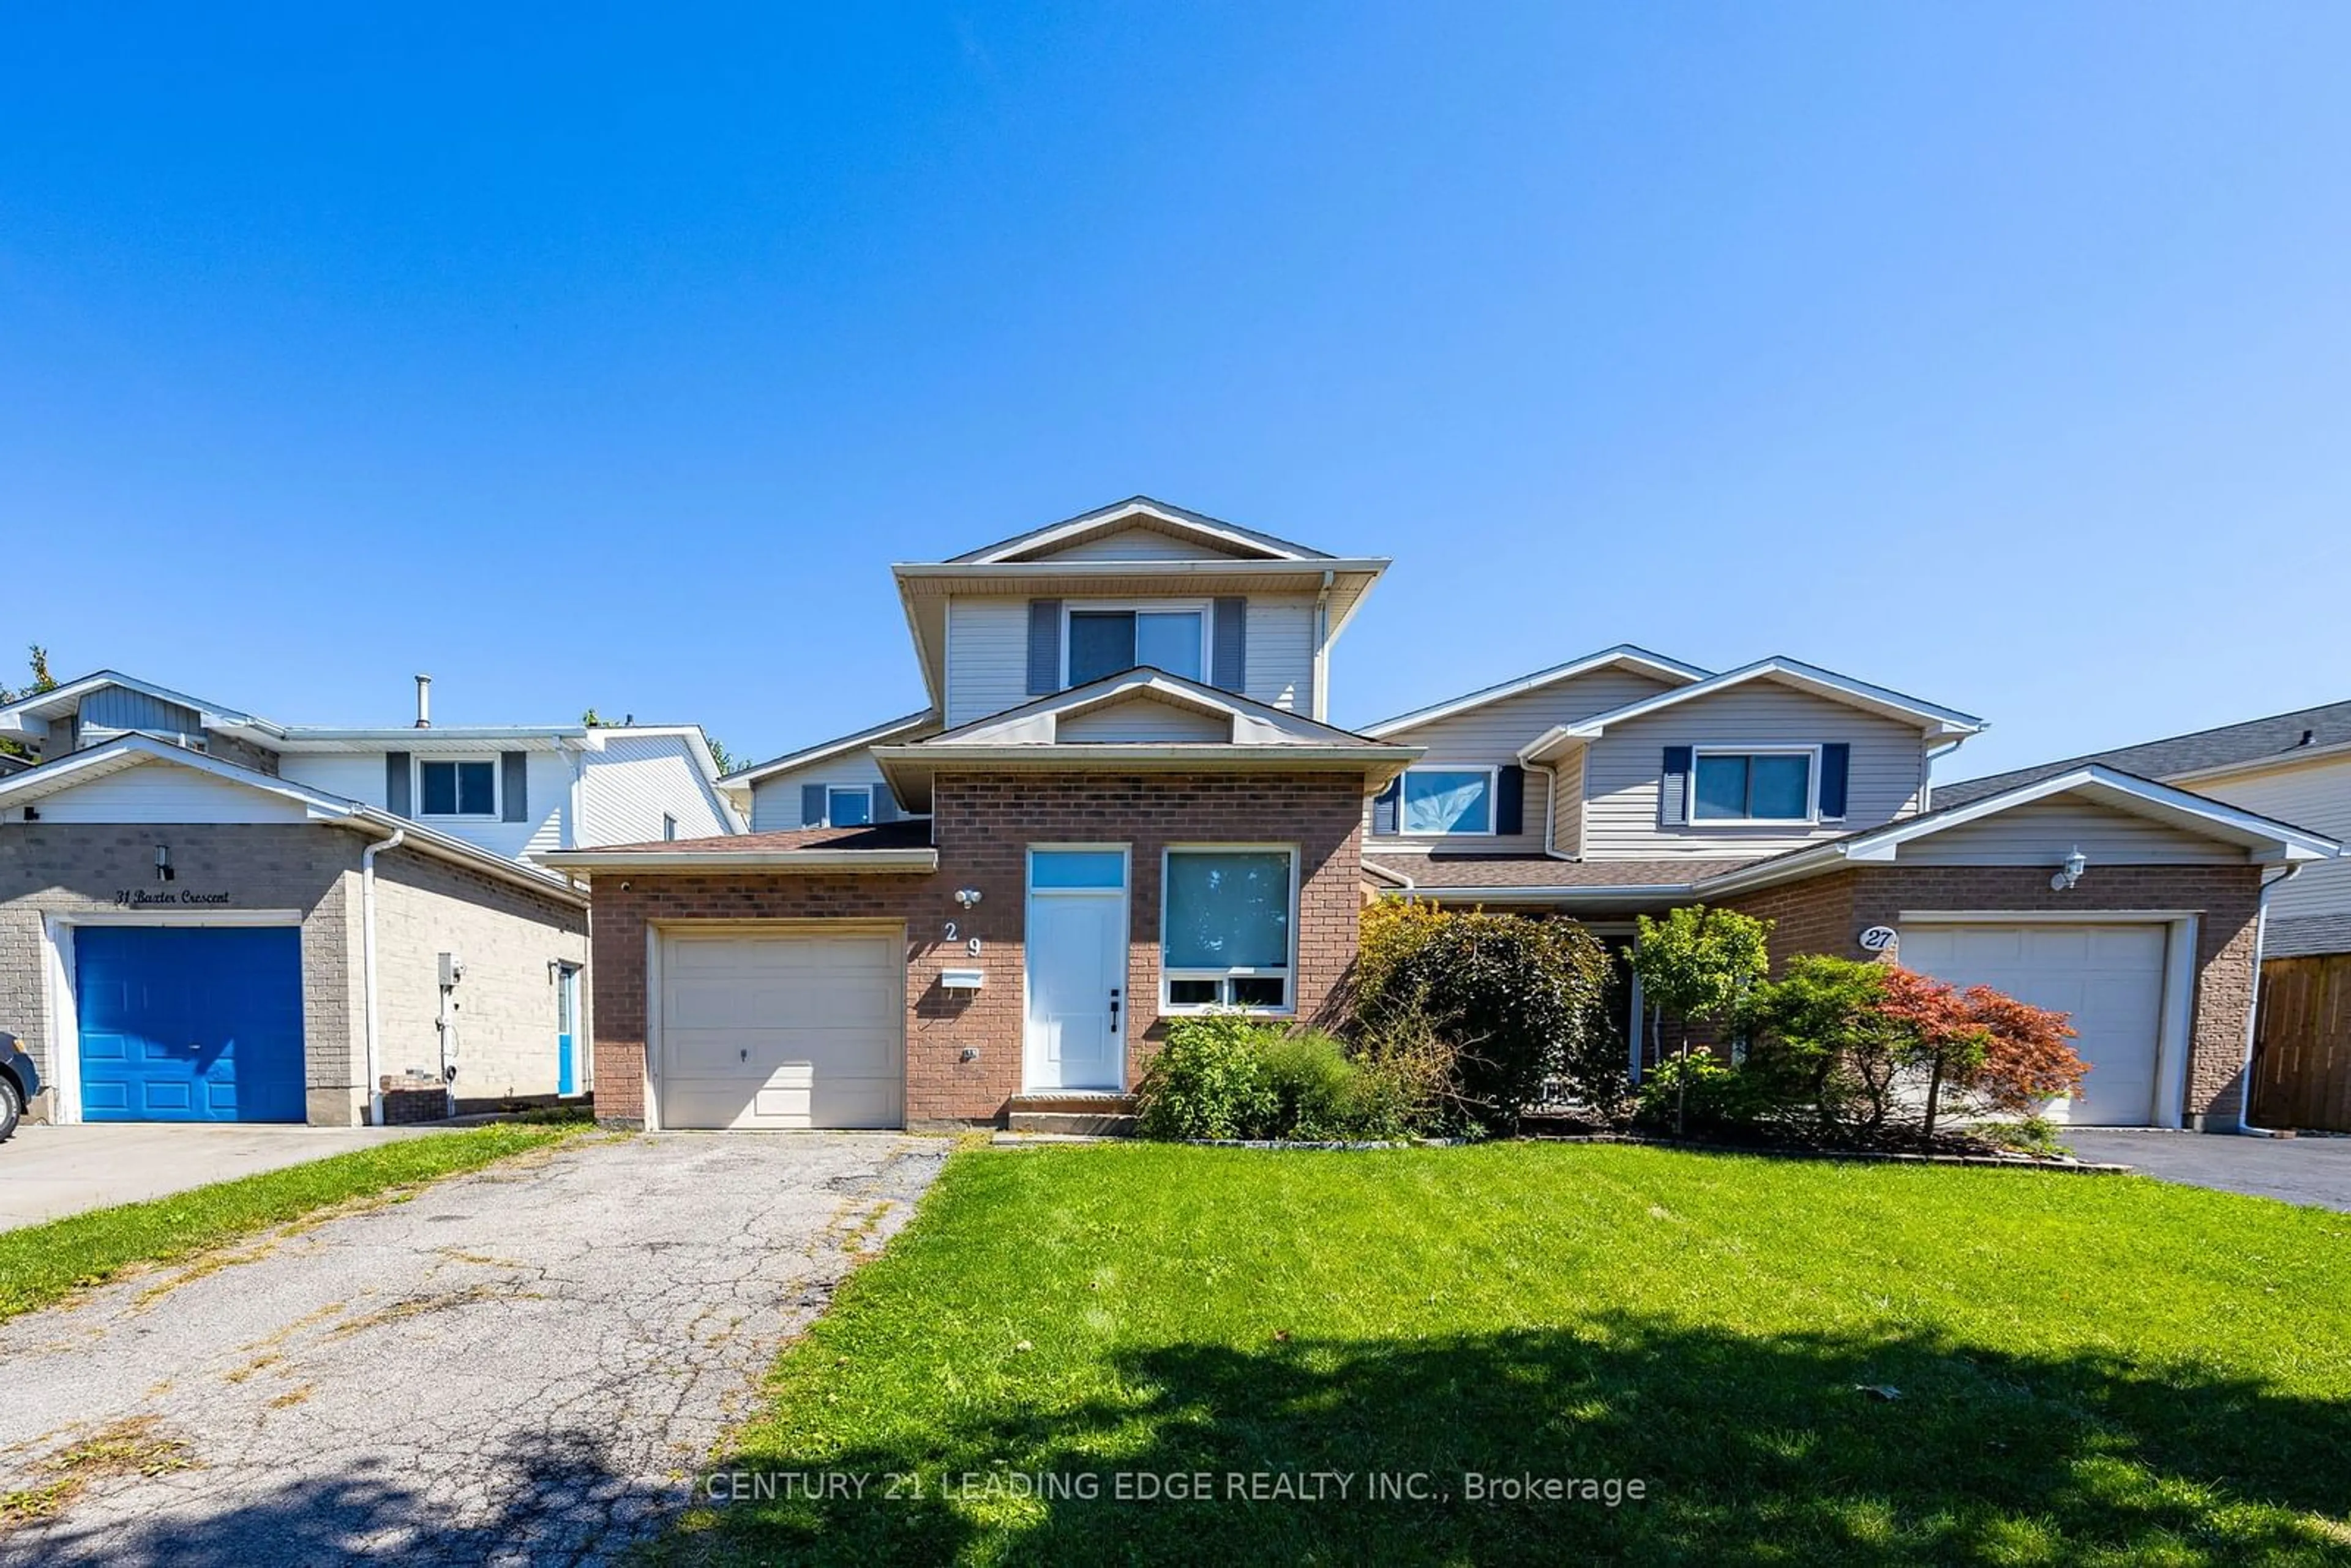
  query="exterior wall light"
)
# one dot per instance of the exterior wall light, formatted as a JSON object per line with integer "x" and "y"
{"x": 966, "y": 896}
{"x": 2071, "y": 872}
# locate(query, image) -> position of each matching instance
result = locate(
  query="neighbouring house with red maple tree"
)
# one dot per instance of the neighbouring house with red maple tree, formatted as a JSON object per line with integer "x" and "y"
{"x": 1122, "y": 801}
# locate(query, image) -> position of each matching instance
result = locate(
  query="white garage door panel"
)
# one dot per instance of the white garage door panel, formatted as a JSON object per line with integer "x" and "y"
{"x": 2109, "y": 978}
{"x": 791, "y": 1030}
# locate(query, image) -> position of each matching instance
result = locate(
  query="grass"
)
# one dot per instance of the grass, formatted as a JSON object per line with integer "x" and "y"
{"x": 40, "y": 1264}
{"x": 1805, "y": 1363}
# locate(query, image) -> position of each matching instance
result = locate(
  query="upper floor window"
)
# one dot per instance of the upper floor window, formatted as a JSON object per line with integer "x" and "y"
{"x": 1447, "y": 801}
{"x": 848, "y": 806}
{"x": 1753, "y": 785}
{"x": 457, "y": 789}
{"x": 669, "y": 827}
{"x": 1104, "y": 640}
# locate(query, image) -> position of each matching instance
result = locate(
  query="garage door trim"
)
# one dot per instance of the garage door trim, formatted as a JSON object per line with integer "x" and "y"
{"x": 2178, "y": 1002}
{"x": 658, "y": 931}
{"x": 62, "y": 1014}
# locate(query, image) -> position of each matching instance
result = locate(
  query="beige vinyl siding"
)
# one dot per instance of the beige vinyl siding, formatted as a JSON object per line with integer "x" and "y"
{"x": 776, "y": 799}
{"x": 2046, "y": 832}
{"x": 1282, "y": 652}
{"x": 1567, "y": 828}
{"x": 988, "y": 655}
{"x": 1491, "y": 737}
{"x": 1141, "y": 722}
{"x": 1135, "y": 544}
{"x": 1623, "y": 770}
{"x": 2313, "y": 795}
{"x": 987, "y": 652}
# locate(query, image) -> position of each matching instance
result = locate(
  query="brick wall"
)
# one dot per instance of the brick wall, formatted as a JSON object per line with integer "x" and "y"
{"x": 74, "y": 868}
{"x": 1827, "y": 914}
{"x": 983, "y": 826}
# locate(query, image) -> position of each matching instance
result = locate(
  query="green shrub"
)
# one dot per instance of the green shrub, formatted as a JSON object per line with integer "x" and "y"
{"x": 1207, "y": 1081}
{"x": 1311, "y": 1087}
{"x": 1717, "y": 1094}
{"x": 1518, "y": 1000}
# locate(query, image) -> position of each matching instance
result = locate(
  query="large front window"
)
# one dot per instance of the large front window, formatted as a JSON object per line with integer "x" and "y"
{"x": 1445, "y": 801}
{"x": 1226, "y": 925}
{"x": 1105, "y": 642}
{"x": 458, "y": 788}
{"x": 1754, "y": 787}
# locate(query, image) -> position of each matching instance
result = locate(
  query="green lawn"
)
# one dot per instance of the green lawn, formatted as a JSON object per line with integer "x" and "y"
{"x": 2089, "y": 1369}
{"x": 40, "y": 1263}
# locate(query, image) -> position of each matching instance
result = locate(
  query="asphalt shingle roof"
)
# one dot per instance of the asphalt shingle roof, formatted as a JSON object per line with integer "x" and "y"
{"x": 2255, "y": 740}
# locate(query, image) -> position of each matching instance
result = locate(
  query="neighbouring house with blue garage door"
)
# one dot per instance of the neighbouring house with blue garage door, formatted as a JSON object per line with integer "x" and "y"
{"x": 206, "y": 917}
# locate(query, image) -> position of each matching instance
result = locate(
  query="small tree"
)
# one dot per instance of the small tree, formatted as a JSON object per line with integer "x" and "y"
{"x": 1823, "y": 1037}
{"x": 42, "y": 681}
{"x": 1934, "y": 1029}
{"x": 1701, "y": 965}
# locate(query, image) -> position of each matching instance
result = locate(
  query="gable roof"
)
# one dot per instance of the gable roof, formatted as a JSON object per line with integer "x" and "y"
{"x": 136, "y": 750}
{"x": 1936, "y": 722}
{"x": 2282, "y": 738}
{"x": 1180, "y": 521}
{"x": 2266, "y": 840}
{"x": 906, "y": 725}
{"x": 1623, "y": 655}
{"x": 1258, "y": 723}
{"x": 38, "y": 708}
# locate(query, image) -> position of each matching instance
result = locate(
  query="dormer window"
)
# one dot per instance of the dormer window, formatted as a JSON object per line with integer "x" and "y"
{"x": 1103, "y": 640}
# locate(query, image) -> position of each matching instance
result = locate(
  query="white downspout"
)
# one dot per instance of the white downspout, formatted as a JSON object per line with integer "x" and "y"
{"x": 1322, "y": 694}
{"x": 367, "y": 969}
{"x": 2253, "y": 1014}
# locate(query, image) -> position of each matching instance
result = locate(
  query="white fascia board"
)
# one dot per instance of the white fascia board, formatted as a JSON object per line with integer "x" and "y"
{"x": 1939, "y": 722}
{"x": 1623, "y": 653}
{"x": 1550, "y": 745}
{"x": 744, "y": 776}
{"x": 1584, "y": 895}
{"x": 899, "y": 860}
{"x": 62, "y": 698}
{"x": 432, "y": 738}
{"x": 1019, "y": 572}
{"x": 1164, "y": 512}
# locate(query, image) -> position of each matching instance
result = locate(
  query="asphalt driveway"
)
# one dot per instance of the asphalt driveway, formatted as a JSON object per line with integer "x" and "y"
{"x": 2315, "y": 1171}
{"x": 524, "y": 1364}
{"x": 47, "y": 1172}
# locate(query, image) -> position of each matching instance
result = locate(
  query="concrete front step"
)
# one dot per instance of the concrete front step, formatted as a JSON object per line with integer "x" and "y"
{"x": 1104, "y": 1123}
{"x": 1074, "y": 1101}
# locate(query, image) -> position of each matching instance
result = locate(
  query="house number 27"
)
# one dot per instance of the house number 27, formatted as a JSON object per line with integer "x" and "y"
{"x": 971, "y": 944}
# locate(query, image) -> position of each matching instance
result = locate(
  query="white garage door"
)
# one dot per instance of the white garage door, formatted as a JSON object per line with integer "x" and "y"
{"x": 784, "y": 1030}
{"x": 2109, "y": 978}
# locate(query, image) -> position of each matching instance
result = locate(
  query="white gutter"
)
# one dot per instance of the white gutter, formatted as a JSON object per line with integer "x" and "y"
{"x": 367, "y": 969}
{"x": 902, "y": 859}
{"x": 1409, "y": 885}
{"x": 2253, "y": 1014}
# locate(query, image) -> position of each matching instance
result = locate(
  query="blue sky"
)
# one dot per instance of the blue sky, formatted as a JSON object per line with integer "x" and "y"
{"x": 1996, "y": 353}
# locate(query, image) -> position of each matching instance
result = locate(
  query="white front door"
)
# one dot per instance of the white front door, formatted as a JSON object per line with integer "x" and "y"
{"x": 1076, "y": 943}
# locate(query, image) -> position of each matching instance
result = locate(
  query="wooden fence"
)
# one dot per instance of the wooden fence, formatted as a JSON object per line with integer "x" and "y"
{"x": 2302, "y": 1045}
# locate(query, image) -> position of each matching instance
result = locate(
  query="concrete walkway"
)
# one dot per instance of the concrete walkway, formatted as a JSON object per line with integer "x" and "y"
{"x": 2315, "y": 1171}
{"x": 523, "y": 1365}
{"x": 48, "y": 1172}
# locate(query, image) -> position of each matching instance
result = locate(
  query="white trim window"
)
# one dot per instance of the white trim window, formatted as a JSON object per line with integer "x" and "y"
{"x": 1748, "y": 786}
{"x": 1106, "y": 639}
{"x": 1447, "y": 802}
{"x": 848, "y": 806}
{"x": 1229, "y": 928}
{"x": 463, "y": 789}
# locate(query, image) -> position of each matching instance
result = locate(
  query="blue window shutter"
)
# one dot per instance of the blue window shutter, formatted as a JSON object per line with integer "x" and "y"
{"x": 513, "y": 786}
{"x": 1673, "y": 787}
{"x": 1044, "y": 647}
{"x": 1229, "y": 667}
{"x": 1511, "y": 799}
{"x": 885, "y": 804}
{"x": 1837, "y": 760}
{"x": 396, "y": 784}
{"x": 812, "y": 806}
{"x": 1384, "y": 808}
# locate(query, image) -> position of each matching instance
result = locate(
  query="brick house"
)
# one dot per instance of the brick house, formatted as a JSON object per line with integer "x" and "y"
{"x": 1124, "y": 803}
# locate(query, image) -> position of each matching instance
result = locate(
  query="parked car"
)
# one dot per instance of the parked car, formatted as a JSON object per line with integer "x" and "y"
{"x": 19, "y": 1081}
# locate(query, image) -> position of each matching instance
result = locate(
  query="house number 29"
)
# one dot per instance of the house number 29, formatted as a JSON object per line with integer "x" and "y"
{"x": 971, "y": 944}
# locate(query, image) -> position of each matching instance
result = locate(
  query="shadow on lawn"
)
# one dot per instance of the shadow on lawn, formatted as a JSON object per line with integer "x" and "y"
{"x": 1755, "y": 1447}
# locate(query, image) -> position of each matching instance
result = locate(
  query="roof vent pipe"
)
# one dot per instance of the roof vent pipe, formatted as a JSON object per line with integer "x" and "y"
{"x": 424, "y": 702}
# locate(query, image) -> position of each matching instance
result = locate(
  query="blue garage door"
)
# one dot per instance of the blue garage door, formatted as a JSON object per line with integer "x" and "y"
{"x": 190, "y": 1024}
